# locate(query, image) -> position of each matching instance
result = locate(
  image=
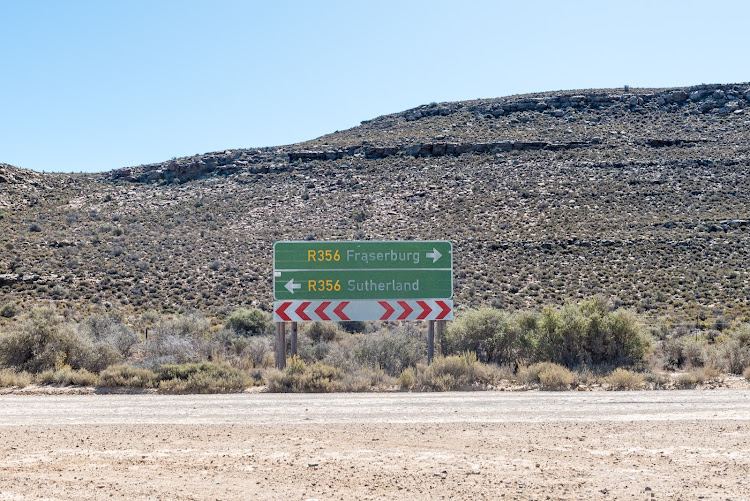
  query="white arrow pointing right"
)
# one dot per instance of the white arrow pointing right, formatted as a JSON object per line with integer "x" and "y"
{"x": 291, "y": 286}
{"x": 435, "y": 255}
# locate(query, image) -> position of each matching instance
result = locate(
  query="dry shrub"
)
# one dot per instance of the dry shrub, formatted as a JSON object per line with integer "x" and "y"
{"x": 658, "y": 380}
{"x": 301, "y": 377}
{"x": 407, "y": 378}
{"x": 548, "y": 375}
{"x": 454, "y": 372}
{"x": 686, "y": 381}
{"x": 735, "y": 355}
{"x": 67, "y": 377}
{"x": 112, "y": 330}
{"x": 367, "y": 379}
{"x": 556, "y": 379}
{"x": 10, "y": 378}
{"x": 390, "y": 351}
{"x": 44, "y": 341}
{"x": 622, "y": 379}
{"x": 203, "y": 377}
{"x": 126, "y": 376}
{"x": 746, "y": 373}
{"x": 709, "y": 373}
{"x": 693, "y": 352}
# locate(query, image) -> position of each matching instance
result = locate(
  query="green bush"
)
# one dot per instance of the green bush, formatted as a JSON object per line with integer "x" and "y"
{"x": 622, "y": 379}
{"x": 250, "y": 322}
{"x": 126, "y": 376}
{"x": 354, "y": 327}
{"x": 322, "y": 331}
{"x": 493, "y": 335}
{"x": 588, "y": 334}
{"x": 203, "y": 377}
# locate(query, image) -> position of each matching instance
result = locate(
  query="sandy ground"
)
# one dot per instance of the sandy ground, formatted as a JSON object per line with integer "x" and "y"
{"x": 484, "y": 445}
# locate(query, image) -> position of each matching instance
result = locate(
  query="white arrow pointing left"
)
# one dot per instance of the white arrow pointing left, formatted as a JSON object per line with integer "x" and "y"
{"x": 435, "y": 255}
{"x": 291, "y": 286}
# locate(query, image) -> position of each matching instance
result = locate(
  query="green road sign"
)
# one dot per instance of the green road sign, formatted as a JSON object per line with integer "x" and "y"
{"x": 363, "y": 270}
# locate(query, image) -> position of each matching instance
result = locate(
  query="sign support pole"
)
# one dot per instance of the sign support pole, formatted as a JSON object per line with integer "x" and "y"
{"x": 293, "y": 340}
{"x": 439, "y": 328}
{"x": 280, "y": 345}
{"x": 430, "y": 341}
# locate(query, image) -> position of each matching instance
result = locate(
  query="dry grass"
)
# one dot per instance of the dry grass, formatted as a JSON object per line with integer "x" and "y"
{"x": 67, "y": 377}
{"x": 127, "y": 377}
{"x": 12, "y": 378}
{"x": 622, "y": 379}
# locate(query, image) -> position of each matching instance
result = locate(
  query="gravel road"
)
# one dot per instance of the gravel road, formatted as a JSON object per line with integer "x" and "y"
{"x": 482, "y": 445}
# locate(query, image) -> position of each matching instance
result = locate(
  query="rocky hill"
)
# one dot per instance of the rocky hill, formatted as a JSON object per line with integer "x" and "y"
{"x": 639, "y": 195}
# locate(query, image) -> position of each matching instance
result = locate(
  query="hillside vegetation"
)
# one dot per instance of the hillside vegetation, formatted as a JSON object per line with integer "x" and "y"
{"x": 637, "y": 196}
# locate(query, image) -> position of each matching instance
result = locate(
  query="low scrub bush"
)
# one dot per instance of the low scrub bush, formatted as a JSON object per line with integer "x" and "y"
{"x": 298, "y": 376}
{"x": 203, "y": 377}
{"x": 66, "y": 376}
{"x": 657, "y": 380}
{"x": 556, "y": 379}
{"x": 8, "y": 310}
{"x": 686, "y": 381}
{"x": 111, "y": 330}
{"x": 548, "y": 375}
{"x": 250, "y": 322}
{"x": 392, "y": 351}
{"x": 322, "y": 331}
{"x": 493, "y": 335}
{"x": 589, "y": 334}
{"x": 126, "y": 376}
{"x": 366, "y": 379}
{"x": 454, "y": 372}
{"x": 10, "y": 378}
{"x": 622, "y": 379}
{"x": 734, "y": 355}
{"x": 44, "y": 341}
{"x": 354, "y": 327}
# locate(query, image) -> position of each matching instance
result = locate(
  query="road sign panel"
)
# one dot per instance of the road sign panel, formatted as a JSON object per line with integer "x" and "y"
{"x": 311, "y": 270}
{"x": 307, "y": 311}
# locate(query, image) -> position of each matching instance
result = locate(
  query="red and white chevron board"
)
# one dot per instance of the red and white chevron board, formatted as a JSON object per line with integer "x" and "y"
{"x": 338, "y": 310}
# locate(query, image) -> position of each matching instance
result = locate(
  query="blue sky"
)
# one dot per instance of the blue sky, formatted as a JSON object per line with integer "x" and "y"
{"x": 97, "y": 85}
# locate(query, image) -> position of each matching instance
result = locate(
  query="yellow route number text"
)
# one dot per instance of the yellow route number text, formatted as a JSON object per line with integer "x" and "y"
{"x": 323, "y": 255}
{"x": 323, "y": 285}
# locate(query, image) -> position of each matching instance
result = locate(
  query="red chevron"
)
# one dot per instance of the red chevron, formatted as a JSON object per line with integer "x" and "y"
{"x": 425, "y": 310}
{"x": 388, "y": 309}
{"x": 339, "y": 310}
{"x": 407, "y": 310}
{"x": 321, "y": 310}
{"x": 301, "y": 310}
{"x": 280, "y": 311}
{"x": 446, "y": 309}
